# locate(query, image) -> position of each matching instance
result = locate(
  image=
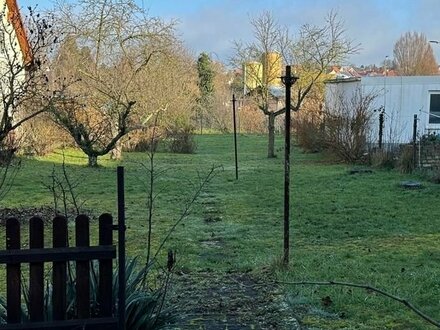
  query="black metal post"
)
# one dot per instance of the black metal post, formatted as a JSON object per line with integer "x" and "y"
{"x": 414, "y": 142}
{"x": 288, "y": 80}
{"x": 235, "y": 135}
{"x": 121, "y": 247}
{"x": 381, "y": 121}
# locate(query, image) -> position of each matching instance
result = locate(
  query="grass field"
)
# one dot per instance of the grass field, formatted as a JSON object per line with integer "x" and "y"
{"x": 361, "y": 228}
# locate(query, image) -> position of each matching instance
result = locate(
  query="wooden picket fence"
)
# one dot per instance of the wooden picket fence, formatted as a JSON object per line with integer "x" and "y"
{"x": 59, "y": 255}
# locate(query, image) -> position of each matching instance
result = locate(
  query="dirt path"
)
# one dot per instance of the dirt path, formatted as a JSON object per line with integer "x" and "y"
{"x": 228, "y": 301}
{"x": 233, "y": 301}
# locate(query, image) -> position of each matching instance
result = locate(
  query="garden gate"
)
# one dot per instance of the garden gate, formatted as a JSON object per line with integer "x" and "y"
{"x": 59, "y": 255}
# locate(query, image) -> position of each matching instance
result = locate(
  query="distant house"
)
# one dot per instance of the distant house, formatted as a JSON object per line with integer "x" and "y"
{"x": 343, "y": 72}
{"x": 401, "y": 97}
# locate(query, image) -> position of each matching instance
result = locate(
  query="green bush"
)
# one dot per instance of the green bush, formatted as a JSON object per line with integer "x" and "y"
{"x": 309, "y": 134}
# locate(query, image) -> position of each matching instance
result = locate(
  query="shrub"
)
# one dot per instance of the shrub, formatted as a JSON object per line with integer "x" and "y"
{"x": 430, "y": 138}
{"x": 405, "y": 162}
{"x": 41, "y": 136}
{"x": 385, "y": 158}
{"x": 309, "y": 133}
{"x": 181, "y": 139}
{"x": 251, "y": 120}
{"x": 145, "y": 140}
{"x": 347, "y": 125}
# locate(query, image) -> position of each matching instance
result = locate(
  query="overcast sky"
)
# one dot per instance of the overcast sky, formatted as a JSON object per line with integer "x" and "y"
{"x": 212, "y": 25}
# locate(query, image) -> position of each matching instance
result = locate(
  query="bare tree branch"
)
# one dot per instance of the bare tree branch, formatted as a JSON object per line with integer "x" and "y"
{"x": 405, "y": 302}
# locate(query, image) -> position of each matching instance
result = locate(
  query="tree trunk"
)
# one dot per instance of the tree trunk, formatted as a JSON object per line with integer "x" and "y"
{"x": 93, "y": 160}
{"x": 271, "y": 130}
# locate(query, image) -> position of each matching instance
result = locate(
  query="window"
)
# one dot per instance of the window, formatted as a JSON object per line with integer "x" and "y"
{"x": 434, "y": 109}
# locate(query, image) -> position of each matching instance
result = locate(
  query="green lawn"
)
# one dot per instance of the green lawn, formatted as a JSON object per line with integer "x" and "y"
{"x": 361, "y": 228}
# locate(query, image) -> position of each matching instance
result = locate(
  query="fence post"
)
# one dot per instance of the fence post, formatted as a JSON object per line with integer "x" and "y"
{"x": 381, "y": 121}
{"x": 414, "y": 142}
{"x": 121, "y": 247}
{"x": 105, "y": 266}
{"x": 82, "y": 268}
{"x": 59, "y": 275}
{"x": 36, "y": 271}
{"x": 13, "y": 273}
{"x": 235, "y": 135}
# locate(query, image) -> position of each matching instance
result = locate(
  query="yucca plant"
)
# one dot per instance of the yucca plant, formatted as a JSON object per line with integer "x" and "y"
{"x": 2, "y": 310}
{"x": 144, "y": 305}
{"x": 143, "y": 308}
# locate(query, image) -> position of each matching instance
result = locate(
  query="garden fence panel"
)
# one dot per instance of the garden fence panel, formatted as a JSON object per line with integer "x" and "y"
{"x": 60, "y": 255}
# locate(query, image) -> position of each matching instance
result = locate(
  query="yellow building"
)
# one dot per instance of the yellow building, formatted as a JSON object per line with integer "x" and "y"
{"x": 253, "y": 75}
{"x": 267, "y": 72}
{"x": 272, "y": 69}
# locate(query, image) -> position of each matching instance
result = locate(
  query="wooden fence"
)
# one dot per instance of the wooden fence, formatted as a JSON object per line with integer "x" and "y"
{"x": 59, "y": 255}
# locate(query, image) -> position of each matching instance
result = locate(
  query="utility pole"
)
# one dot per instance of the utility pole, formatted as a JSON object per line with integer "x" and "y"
{"x": 288, "y": 80}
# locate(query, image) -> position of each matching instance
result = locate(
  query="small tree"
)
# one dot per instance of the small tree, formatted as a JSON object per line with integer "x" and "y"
{"x": 107, "y": 47}
{"x": 316, "y": 48}
{"x": 414, "y": 56}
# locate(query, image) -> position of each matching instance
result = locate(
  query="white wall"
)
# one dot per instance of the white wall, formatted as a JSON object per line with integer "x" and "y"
{"x": 12, "y": 71}
{"x": 401, "y": 97}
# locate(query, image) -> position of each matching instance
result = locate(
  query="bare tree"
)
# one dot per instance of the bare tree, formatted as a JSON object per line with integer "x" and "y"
{"x": 311, "y": 53}
{"x": 25, "y": 45}
{"x": 267, "y": 33}
{"x": 108, "y": 45}
{"x": 414, "y": 56}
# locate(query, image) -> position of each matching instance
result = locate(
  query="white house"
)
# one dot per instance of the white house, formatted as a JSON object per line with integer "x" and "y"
{"x": 14, "y": 45}
{"x": 401, "y": 98}
{"x": 16, "y": 61}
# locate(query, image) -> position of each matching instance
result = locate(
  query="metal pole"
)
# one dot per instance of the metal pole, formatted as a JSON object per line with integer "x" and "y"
{"x": 235, "y": 136}
{"x": 381, "y": 120}
{"x": 414, "y": 141}
{"x": 287, "y": 169}
{"x": 288, "y": 80}
{"x": 121, "y": 247}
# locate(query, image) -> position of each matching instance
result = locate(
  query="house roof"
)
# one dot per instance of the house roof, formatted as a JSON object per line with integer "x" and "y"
{"x": 343, "y": 72}
{"x": 15, "y": 19}
{"x": 338, "y": 80}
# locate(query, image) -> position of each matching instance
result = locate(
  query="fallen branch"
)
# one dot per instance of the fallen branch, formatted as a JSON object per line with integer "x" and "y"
{"x": 368, "y": 287}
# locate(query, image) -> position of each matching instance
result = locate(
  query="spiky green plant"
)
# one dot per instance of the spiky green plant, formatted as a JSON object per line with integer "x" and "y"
{"x": 143, "y": 307}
